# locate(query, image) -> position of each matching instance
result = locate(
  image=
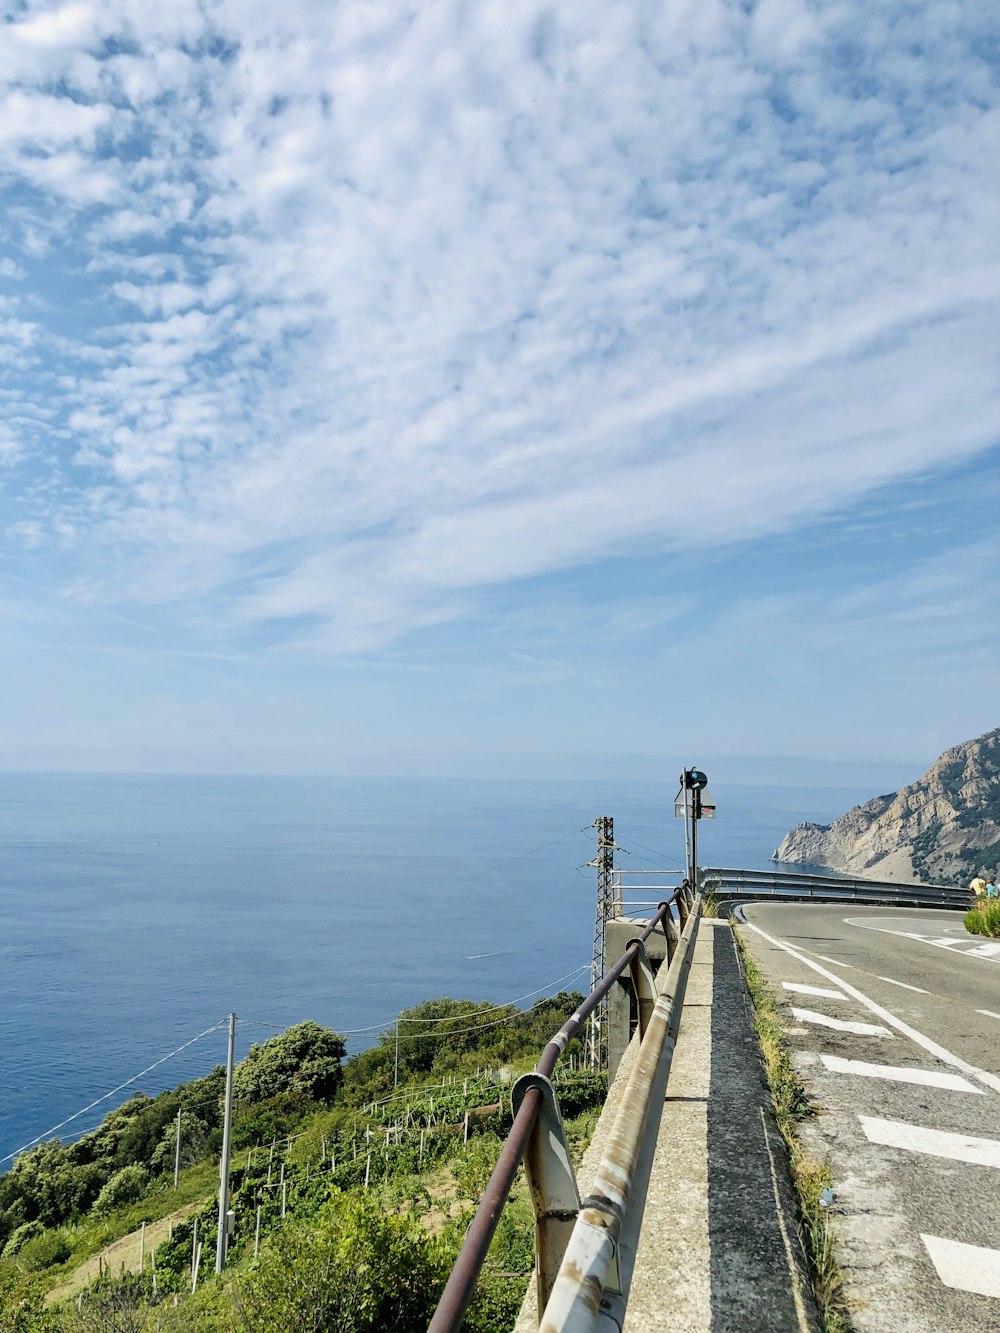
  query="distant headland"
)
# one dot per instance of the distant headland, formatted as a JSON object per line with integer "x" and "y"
{"x": 940, "y": 829}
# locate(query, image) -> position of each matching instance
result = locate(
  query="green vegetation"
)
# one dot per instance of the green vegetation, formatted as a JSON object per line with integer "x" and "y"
{"x": 352, "y": 1267}
{"x": 304, "y": 1061}
{"x": 710, "y": 887}
{"x": 792, "y": 1105}
{"x": 363, "y": 1192}
{"x": 984, "y": 919}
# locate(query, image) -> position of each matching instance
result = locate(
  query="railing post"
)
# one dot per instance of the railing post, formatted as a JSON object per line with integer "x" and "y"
{"x": 683, "y": 904}
{"x": 555, "y": 1190}
{"x": 642, "y": 984}
{"x": 596, "y": 1271}
{"x": 555, "y": 1196}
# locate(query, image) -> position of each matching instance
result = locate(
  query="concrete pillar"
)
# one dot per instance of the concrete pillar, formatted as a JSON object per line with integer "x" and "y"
{"x": 622, "y": 1010}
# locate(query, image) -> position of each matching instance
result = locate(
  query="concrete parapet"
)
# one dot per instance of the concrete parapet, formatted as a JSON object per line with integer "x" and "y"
{"x": 718, "y": 1248}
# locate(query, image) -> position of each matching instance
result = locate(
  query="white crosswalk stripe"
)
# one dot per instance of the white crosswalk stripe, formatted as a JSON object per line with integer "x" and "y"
{"x": 800, "y": 989}
{"x": 965, "y": 1267}
{"x": 840, "y": 1024}
{"x": 934, "y": 1142}
{"x": 929, "y": 1078}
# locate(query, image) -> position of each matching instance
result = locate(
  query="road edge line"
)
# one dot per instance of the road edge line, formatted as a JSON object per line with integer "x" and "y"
{"x": 992, "y": 1081}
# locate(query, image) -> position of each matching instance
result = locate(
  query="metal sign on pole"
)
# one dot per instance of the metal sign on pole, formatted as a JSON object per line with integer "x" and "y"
{"x": 694, "y": 801}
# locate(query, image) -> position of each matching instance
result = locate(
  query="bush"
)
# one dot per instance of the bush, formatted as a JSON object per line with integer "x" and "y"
{"x": 271, "y": 1119}
{"x": 195, "y": 1134}
{"x": 984, "y": 920}
{"x": 25, "y": 1232}
{"x": 473, "y": 1171}
{"x": 305, "y": 1060}
{"x": 44, "y": 1251}
{"x": 24, "y": 1311}
{"x": 354, "y": 1267}
{"x": 114, "y": 1305}
{"x": 125, "y": 1186}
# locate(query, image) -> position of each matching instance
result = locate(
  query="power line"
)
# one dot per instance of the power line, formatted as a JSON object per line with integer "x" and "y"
{"x": 104, "y": 1097}
{"x": 391, "y": 1023}
{"x": 482, "y": 1027}
{"x": 506, "y": 860}
{"x": 662, "y": 855}
{"x": 493, "y": 1007}
{"x": 214, "y": 1099}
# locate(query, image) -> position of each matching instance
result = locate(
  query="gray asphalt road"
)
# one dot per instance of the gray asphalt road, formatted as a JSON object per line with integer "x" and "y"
{"x": 893, "y": 1018}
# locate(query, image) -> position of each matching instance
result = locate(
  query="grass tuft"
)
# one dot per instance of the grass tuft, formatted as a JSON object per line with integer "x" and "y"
{"x": 791, "y": 1106}
{"x": 710, "y": 901}
{"x": 984, "y": 918}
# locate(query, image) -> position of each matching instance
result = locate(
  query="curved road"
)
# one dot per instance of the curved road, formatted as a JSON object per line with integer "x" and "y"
{"x": 893, "y": 1020}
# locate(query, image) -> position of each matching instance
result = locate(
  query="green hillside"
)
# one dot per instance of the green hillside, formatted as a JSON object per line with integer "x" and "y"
{"x": 361, "y": 1192}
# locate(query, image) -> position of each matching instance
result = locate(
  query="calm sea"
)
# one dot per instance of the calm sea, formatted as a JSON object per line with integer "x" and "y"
{"x": 137, "y": 911}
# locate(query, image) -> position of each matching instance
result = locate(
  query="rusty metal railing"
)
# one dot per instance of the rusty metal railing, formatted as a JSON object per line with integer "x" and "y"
{"x": 591, "y": 1288}
{"x": 537, "y": 1138}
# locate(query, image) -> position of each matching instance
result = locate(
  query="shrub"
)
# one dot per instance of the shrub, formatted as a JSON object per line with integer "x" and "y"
{"x": 20, "y": 1236}
{"x": 984, "y": 920}
{"x": 24, "y": 1312}
{"x": 114, "y": 1305}
{"x": 44, "y": 1251}
{"x": 125, "y": 1186}
{"x": 473, "y": 1171}
{"x": 271, "y": 1119}
{"x": 353, "y": 1267}
{"x": 305, "y": 1059}
{"x": 195, "y": 1134}
{"x": 496, "y": 1304}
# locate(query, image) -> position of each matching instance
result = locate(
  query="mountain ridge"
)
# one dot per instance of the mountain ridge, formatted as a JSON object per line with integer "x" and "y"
{"x": 941, "y": 829}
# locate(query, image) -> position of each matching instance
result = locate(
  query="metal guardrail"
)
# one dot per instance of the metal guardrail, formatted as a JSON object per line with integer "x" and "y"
{"x": 835, "y": 888}
{"x": 583, "y": 1256}
{"x": 592, "y": 1285}
{"x": 537, "y": 1137}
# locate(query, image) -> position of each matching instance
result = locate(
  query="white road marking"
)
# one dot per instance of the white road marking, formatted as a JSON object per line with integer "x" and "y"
{"x": 832, "y": 960}
{"x": 933, "y": 1142}
{"x": 814, "y": 990}
{"x": 988, "y": 1012}
{"x": 985, "y": 950}
{"x": 965, "y": 1267}
{"x": 930, "y": 1078}
{"x": 944, "y": 943}
{"x": 932, "y": 1047}
{"x": 840, "y": 1024}
{"x": 892, "y": 982}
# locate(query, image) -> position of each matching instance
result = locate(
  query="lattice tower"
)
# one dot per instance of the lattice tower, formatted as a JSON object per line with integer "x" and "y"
{"x": 608, "y": 906}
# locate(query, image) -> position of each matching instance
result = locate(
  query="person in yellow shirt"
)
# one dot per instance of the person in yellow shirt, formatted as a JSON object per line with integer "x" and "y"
{"x": 978, "y": 886}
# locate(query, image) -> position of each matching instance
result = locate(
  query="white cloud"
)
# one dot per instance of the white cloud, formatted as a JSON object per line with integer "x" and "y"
{"x": 395, "y": 304}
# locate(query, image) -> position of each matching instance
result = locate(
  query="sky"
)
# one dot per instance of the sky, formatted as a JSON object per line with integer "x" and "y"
{"x": 509, "y": 389}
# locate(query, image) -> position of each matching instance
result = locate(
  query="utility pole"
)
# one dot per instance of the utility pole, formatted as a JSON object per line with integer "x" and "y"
{"x": 395, "y": 1068}
{"x": 177, "y": 1151}
{"x": 223, "y": 1240}
{"x": 603, "y": 862}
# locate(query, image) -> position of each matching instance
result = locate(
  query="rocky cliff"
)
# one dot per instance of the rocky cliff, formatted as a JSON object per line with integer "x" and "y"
{"x": 938, "y": 830}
